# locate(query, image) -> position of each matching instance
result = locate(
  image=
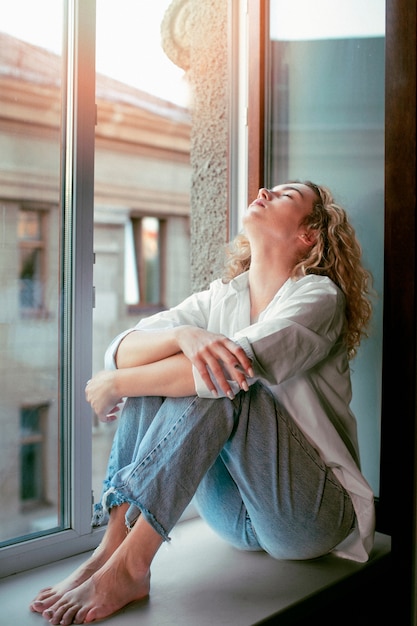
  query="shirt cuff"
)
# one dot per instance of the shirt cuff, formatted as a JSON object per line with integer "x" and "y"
{"x": 110, "y": 354}
{"x": 203, "y": 392}
{"x": 244, "y": 343}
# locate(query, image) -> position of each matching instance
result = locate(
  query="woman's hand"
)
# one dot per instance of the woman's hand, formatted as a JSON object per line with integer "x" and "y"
{"x": 216, "y": 353}
{"x": 102, "y": 394}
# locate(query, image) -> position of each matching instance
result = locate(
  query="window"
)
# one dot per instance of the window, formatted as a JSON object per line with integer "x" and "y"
{"x": 145, "y": 260}
{"x": 326, "y": 123}
{"x": 44, "y": 233}
{"x": 321, "y": 91}
{"x": 31, "y": 235}
{"x": 72, "y": 176}
{"x": 33, "y": 466}
{"x": 132, "y": 165}
{"x": 31, "y": 172}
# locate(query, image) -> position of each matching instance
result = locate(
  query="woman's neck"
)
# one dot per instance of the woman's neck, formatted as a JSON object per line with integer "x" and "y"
{"x": 264, "y": 282}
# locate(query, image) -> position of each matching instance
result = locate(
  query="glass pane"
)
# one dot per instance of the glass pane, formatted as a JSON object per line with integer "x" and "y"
{"x": 30, "y": 105}
{"x": 327, "y": 125}
{"x": 142, "y": 181}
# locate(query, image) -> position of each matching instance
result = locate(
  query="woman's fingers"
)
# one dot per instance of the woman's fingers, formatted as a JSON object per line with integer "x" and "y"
{"x": 226, "y": 361}
{"x": 237, "y": 363}
{"x": 217, "y": 358}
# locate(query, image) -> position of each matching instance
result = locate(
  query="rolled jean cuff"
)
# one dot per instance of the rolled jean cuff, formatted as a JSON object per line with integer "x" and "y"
{"x": 113, "y": 497}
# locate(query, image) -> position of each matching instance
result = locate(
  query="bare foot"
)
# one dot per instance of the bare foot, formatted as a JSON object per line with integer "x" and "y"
{"x": 123, "y": 579}
{"x": 106, "y": 592}
{"x": 114, "y": 536}
{"x": 48, "y": 596}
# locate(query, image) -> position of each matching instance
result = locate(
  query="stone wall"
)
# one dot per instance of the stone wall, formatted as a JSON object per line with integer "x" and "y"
{"x": 195, "y": 37}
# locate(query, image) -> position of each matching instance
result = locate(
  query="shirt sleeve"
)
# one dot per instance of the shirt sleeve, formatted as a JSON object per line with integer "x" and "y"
{"x": 297, "y": 333}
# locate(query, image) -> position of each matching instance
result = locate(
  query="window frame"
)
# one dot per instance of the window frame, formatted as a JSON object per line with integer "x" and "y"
{"x": 77, "y": 193}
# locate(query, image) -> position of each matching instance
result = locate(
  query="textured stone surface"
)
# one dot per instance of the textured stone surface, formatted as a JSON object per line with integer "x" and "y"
{"x": 194, "y": 35}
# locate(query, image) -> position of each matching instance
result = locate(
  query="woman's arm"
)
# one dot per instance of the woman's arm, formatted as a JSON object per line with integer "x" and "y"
{"x": 170, "y": 377}
{"x": 207, "y": 351}
{"x": 143, "y": 347}
{"x": 140, "y": 373}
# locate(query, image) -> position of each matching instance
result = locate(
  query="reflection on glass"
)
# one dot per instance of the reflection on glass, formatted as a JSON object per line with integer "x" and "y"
{"x": 30, "y": 103}
{"x": 327, "y": 125}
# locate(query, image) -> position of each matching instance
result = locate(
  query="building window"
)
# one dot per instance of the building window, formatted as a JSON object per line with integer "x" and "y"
{"x": 144, "y": 269}
{"x": 32, "y": 455}
{"x": 31, "y": 240}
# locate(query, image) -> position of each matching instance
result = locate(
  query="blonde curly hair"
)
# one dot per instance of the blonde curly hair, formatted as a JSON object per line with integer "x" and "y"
{"x": 336, "y": 254}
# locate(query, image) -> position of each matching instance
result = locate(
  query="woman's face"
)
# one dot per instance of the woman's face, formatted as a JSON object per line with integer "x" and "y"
{"x": 279, "y": 213}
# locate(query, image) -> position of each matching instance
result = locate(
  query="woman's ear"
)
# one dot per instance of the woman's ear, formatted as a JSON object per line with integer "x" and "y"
{"x": 309, "y": 237}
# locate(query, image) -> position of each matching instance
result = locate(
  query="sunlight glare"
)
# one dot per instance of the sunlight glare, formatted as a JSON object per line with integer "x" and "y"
{"x": 128, "y": 41}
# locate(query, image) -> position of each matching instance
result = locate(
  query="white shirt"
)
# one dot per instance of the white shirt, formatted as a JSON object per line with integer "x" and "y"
{"x": 296, "y": 351}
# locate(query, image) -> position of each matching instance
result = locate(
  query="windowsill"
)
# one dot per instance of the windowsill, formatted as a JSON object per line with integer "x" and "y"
{"x": 199, "y": 579}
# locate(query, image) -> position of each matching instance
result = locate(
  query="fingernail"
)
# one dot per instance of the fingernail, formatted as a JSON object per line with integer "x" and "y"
{"x": 230, "y": 395}
{"x": 214, "y": 392}
{"x": 244, "y": 385}
{"x": 251, "y": 372}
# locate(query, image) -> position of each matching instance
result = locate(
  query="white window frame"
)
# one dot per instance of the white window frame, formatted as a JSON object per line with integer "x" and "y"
{"x": 77, "y": 195}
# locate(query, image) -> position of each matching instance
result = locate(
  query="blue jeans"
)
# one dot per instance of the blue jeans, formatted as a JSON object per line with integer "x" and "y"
{"x": 256, "y": 479}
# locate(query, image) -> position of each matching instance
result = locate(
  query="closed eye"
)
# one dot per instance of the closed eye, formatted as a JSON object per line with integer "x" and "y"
{"x": 281, "y": 194}
{"x": 288, "y": 188}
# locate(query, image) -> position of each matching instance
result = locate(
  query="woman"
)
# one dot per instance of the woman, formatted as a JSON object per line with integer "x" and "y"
{"x": 239, "y": 396}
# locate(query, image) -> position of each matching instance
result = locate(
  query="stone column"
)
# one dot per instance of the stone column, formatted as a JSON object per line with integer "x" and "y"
{"x": 195, "y": 37}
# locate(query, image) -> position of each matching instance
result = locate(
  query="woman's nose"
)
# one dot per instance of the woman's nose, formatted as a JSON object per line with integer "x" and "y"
{"x": 264, "y": 193}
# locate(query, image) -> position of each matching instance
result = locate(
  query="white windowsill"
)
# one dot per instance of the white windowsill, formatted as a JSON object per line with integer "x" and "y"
{"x": 198, "y": 579}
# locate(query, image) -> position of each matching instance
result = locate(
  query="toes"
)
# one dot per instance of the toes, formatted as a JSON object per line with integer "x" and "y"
{"x": 69, "y": 616}
{"x": 54, "y": 614}
{"x": 79, "y": 618}
{"x": 92, "y": 616}
{"x": 64, "y": 614}
{"x": 37, "y": 606}
{"x": 44, "y": 593}
{"x": 43, "y": 600}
